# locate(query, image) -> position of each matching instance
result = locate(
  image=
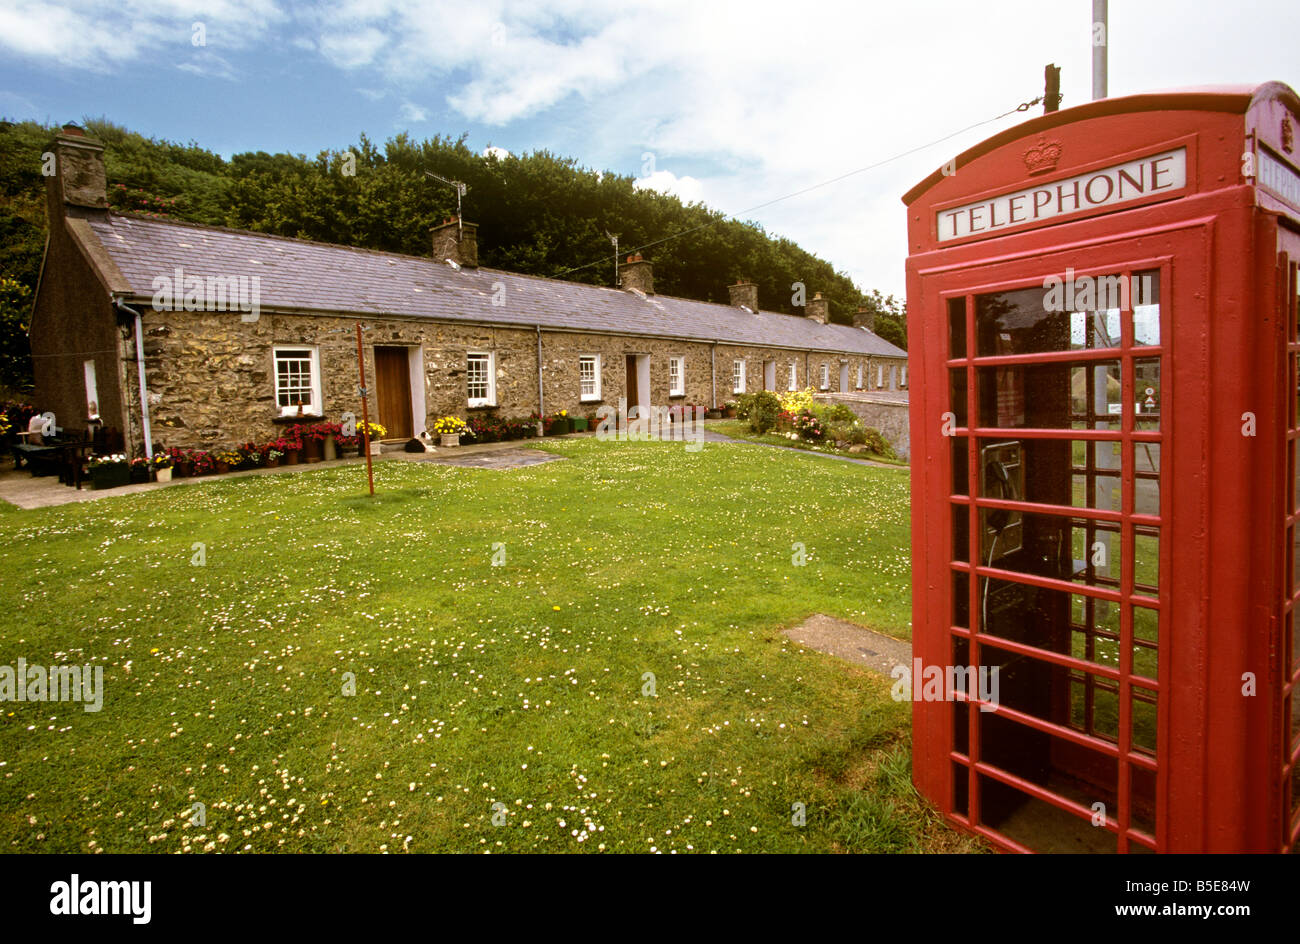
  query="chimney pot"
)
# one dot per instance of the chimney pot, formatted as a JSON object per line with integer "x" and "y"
{"x": 457, "y": 241}
{"x": 79, "y": 179}
{"x": 864, "y": 318}
{"x": 638, "y": 274}
{"x": 744, "y": 294}
{"x": 818, "y": 309}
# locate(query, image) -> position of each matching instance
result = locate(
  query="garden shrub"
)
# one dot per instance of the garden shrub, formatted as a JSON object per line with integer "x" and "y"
{"x": 761, "y": 409}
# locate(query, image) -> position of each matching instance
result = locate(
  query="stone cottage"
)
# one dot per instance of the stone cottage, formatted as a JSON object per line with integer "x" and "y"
{"x": 201, "y": 337}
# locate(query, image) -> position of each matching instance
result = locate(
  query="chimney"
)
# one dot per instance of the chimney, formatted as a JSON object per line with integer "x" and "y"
{"x": 638, "y": 274}
{"x": 864, "y": 318}
{"x": 744, "y": 295}
{"x": 817, "y": 308}
{"x": 457, "y": 241}
{"x": 78, "y": 187}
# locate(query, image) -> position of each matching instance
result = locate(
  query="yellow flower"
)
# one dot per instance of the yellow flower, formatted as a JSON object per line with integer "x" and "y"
{"x": 555, "y": 607}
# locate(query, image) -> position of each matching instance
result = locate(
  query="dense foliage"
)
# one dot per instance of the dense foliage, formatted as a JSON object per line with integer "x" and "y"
{"x": 538, "y": 213}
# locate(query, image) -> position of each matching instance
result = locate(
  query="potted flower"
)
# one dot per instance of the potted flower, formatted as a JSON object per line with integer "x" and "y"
{"x": 109, "y": 471}
{"x": 329, "y": 441}
{"x": 225, "y": 460}
{"x": 182, "y": 462}
{"x": 450, "y": 429}
{"x": 251, "y": 456}
{"x": 162, "y": 467}
{"x": 273, "y": 454}
{"x": 313, "y": 441}
{"x": 138, "y": 470}
{"x": 729, "y": 409}
{"x": 346, "y": 445}
{"x": 375, "y": 432}
{"x": 291, "y": 446}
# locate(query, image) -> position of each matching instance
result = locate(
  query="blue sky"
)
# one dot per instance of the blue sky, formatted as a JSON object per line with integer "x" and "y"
{"x": 734, "y": 103}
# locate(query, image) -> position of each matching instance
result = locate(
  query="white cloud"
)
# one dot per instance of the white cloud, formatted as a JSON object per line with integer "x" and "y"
{"x": 686, "y": 189}
{"x": 412, "y": 112}
{"x": 209, "y": 66}
{"x": 351, "y": 50}
{"x": 499, "y": 153}
{"x": 103, "y": 35}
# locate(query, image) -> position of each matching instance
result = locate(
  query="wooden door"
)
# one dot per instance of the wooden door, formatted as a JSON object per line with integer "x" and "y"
{"x": 633, "y": 390}
{"x": 393, "y": 391}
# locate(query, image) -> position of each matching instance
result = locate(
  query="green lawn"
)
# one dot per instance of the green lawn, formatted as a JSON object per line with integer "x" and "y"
{"x": 520, "y": 684}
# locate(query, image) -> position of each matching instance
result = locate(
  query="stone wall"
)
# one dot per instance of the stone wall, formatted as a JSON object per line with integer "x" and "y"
{"x": 885, "y": 411}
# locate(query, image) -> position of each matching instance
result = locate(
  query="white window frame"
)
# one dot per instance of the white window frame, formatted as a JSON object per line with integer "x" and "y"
{"x": 315, "y": 405}
{"x": 738, "y": 376}
{"x": 826, "y": 376}
{"x": 677, "y": 384}
{"x": 880, "y": 376}
{"x": 859, "y": 386}
{"x": 92, "y": 387}
{"x": 794, "y": 377}
{"x": 491, "y": 398}
{"x": 592, "y": 395}
{"x": 903, "y": 382}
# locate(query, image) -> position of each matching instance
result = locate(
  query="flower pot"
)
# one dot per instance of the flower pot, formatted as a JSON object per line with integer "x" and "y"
{"x": 330, "y": 449}
{"x": 110, "y": 475}
{"x": 163, "y": 475}
{"x": 273, "y": 463}
{"x": 375, "y": 448}
{"x": 312, "y": 450}
{"x": 184, "y": 469}
{"x": 291, "y": 457}
{"x": 578, "y": 424}
{"x": 138, "y": 476}
{"x": 221, "y": 468}
{"x": 449, "y": 439}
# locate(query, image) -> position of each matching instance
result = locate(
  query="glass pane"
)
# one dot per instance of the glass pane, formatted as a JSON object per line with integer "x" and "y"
{"x": 1142, "y": 708}
{"x": 1083, "y": 395}
{"x": 1146, "y": 559}
{"x": 1064, "y": 314}
{"x": 1094, "y": 630}
{"x": 1146, "y": 467}
{"x": 960, "y": 599}
{"x": 1076, "y": 473}
{"x": 957, "y": 394}
{"x": 956, "y": 327}
{"x": 960, "y": 465}
{"x": 1146, "y": 384}
{"x": 1094, "y": 706}
{"x": 1146, "y": 307}
{"x": 1050, "y": 546}
{"x": 1142, "y": 800}
{"x": 1146, "y": 624}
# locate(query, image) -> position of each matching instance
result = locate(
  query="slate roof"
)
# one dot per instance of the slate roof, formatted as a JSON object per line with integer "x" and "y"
{"x": 309, "y": 276}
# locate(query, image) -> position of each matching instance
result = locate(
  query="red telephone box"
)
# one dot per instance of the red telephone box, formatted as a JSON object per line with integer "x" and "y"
{"x": 1103, "y": 335}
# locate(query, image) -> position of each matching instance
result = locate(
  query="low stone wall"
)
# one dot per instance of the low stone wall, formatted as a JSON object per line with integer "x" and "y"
{"x": 885, "y": 411}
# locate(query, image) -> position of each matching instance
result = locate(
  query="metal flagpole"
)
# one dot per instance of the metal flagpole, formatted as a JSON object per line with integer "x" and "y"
{"x": 365, "y": 412}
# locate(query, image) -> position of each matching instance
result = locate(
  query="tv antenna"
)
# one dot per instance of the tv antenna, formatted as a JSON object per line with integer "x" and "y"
{"x": 461, "y": 189}
{"x": 613, "y": 238}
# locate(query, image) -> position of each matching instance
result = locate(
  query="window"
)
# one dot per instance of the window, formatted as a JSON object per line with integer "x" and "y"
{"x": 880, "y": 375}
{"x": 92, "y": 389}
{"x": 859, "y": 377}
{"x": 903, "y": 383}
{"x": 676, "y": 376}
{"x": 297, "y": 380}
{"x": 826, "y": 376}
{"x": 794, "y": 376}
{"x": 589, "y": 377}
{"x": 738, "y": 377}
{"x": 481, "y": 379}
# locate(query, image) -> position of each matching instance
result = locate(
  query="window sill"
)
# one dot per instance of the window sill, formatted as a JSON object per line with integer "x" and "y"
{"x": 677, "y": 396}
{"x": 295, "y": 418}
{"x": 590, "y": 400}
{"x": 481, "y": 406}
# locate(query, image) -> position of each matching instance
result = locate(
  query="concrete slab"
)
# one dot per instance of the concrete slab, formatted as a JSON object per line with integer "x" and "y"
{"x": 852, "y": 643}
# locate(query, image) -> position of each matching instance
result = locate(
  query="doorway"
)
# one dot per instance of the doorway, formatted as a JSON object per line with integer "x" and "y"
{"x": 769, "y": 375}
{"x": 638, "y": 384}
{"x": 393, "y": 391}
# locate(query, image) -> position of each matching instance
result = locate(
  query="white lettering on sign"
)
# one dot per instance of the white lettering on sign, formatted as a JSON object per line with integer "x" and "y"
{"x": 1133, "y": 180}
{"x": 1276, "y": 177}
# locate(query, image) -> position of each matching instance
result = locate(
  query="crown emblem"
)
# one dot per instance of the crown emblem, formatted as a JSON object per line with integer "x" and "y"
{"x": 1288, "y": 134}
{"x": 1042, "y": 157}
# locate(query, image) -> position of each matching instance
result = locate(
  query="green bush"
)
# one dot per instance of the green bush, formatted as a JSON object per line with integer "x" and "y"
{"x": 837, "y": 414}
{"x": 761, "y": 409}
{"x": 878, "y": 444}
